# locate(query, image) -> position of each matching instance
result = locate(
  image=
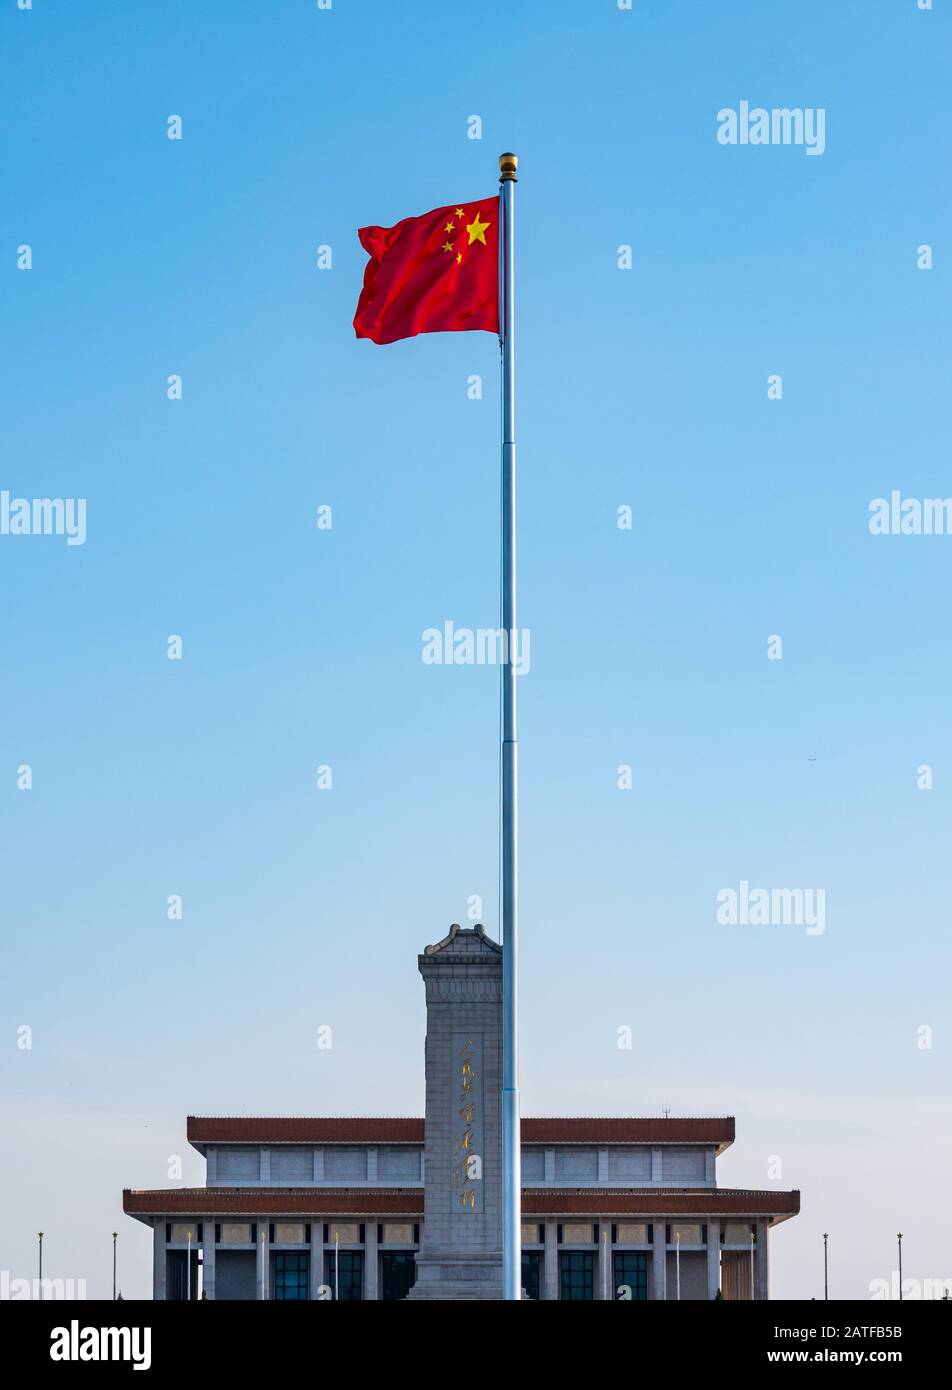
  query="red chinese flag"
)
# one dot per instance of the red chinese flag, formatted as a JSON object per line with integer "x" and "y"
{"x": 438, "y": 273}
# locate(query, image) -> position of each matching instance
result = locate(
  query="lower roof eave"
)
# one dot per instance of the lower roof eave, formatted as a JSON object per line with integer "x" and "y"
{"x": 272, "y": 1201}
{"x": 703, "y": 1203}
{"x": 632, "y": 1203}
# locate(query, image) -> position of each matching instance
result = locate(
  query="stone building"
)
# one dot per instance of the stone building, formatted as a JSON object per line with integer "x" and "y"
{"x": 612, "y": 1208}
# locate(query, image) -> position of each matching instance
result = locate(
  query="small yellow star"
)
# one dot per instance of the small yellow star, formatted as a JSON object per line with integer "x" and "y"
{"x": 447, "y": 246}
{"x": 477, "y": 230}
{"x": 459, "y": 212}
{"x": 459, "y": 257}
{"x": 449, "y": 226}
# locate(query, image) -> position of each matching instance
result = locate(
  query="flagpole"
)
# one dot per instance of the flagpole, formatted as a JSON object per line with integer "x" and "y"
{"x": 511, "y": 1155}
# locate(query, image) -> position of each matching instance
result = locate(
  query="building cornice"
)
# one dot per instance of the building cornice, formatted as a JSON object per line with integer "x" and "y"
{"x": 545, "y": 1130}
{"x": 404, "y": 1201}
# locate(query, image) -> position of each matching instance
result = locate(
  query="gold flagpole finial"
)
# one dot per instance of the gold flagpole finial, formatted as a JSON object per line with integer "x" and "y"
{"x": 508, "y": 164}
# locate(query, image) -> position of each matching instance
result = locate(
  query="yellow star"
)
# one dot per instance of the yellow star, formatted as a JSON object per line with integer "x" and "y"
{"x": 449, "y": 226}
{"x": 459, "y": 257}
{"x": 447, "y": 246}
{"x": 459, "y": 212}
{"x": 477, "y": 230}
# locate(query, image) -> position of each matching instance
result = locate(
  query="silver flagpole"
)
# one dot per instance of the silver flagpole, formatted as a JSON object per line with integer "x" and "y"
{"x": 511, "y": 1157}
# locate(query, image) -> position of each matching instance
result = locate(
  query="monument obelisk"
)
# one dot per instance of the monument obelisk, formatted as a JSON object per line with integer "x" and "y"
{"x": 460, "y": 1253}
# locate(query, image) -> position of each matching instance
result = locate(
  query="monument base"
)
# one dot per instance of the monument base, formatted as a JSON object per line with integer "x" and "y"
{"x": 454, "y": 1277}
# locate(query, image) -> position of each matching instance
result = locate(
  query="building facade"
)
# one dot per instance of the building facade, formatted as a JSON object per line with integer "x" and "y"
{"x": 387, "y": 1209}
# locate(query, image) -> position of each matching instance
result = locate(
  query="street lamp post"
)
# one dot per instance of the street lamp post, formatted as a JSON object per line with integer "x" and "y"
{"x": 115, "y": 1237}
{"x": 826, "y": 1280}
{"x": 899, "y": 1238}
{"x": 40, "y": 1237}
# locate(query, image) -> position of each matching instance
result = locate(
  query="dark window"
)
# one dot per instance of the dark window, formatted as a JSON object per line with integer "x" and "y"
{"x": 631, "y": 1270}
{"x": 532, "y": 1274}
{"x": 577, "y": 1275}
{"x": 397, "y": 1274}
{"x": 176, "y": 1275}
{"x": 344, "y": 1271}
{"x": 289, "y": 1274}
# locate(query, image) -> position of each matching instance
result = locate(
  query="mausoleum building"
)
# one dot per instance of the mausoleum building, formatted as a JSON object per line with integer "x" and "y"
{"x": 390, "y": 1208}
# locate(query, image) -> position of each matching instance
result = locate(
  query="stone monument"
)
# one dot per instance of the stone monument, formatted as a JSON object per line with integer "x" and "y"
{"x": 460, "y": 1254}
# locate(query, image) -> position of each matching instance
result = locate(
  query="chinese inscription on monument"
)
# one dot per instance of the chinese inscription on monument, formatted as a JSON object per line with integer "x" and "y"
{"x": 466, "y": 1186}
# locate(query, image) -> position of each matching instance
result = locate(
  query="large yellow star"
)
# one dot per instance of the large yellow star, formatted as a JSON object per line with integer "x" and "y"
{"x": 477, "y": 230}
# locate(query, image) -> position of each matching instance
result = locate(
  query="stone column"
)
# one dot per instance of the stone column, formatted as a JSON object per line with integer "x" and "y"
{"x": 317, "y": 1258}
{"x": 713, "y": 1257}
{"x": 460, "y": 1253}
{"x": 208, "y": 1260}
{"x": 551, "y": 1260}
{"x": 761, "y": 1275}
{"x": 371, "y": 1292}
{"x": 158, "y": 1259}
{"x": 659, "y": 1259}
{"x": 605, "y": 1273}
{"x": 261, "y": 1269}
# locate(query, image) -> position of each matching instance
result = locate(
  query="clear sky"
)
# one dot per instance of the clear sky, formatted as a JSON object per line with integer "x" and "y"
{"x": 302, "y": 647}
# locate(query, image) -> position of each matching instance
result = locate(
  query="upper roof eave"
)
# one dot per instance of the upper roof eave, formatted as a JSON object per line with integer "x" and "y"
{"x": 606, "y": 1129}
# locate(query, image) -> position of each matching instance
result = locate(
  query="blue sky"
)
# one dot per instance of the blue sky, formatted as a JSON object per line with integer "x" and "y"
{"x": 302, "y": 647}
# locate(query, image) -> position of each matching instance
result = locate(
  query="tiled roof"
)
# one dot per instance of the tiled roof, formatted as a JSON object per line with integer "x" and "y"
{"x": 629, "y": 1130}
{"x": 321, "y": 1130}
{"x": 657, "y": 1201}
{"x": 408, "y": 1201}
{"x": 384, "y": 1130}
{"x": 280, "y": 1201}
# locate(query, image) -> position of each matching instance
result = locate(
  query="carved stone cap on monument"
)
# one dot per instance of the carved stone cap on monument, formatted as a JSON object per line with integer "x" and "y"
{"x": 466, "y": 963}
